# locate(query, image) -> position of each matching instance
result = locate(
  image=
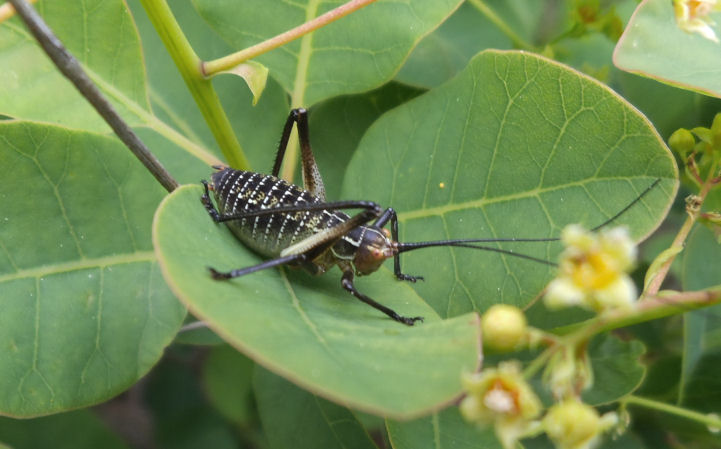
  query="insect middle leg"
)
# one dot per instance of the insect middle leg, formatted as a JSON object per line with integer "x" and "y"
{"x": 391, "y": 215}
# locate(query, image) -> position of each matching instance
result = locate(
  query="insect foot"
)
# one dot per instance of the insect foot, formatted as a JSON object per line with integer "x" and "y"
{"x": 409, "y": 278}
{"x": 217, "y": 275}
{"x": 408, "y": 320}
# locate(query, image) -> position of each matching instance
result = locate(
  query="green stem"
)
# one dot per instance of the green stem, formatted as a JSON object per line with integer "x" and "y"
{"x": 189, "y": 66}
{"x": 228, "y": 62}
{"x": 517, "y": 40}
{"x": 655, "y": 284}
{"x": 649, "y": 309}
{"x": 706, "y": 419}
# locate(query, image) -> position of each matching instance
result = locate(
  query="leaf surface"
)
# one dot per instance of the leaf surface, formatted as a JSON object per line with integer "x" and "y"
{"x": 85, "y": 310}
{"x": 653, "y": 45}
{"x": 356, "y": 53}
{"x": 102, "y": 36}
{"x": 515, "y": 146}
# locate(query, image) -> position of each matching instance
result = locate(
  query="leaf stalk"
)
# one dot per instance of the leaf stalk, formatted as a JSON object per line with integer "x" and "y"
{"x": 201, "y": 88}
{"x": 216, "y": 66}
{"x": 708, "y": 420}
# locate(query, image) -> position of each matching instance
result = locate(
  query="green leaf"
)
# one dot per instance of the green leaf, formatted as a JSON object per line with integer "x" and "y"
{"x": 441, "y": 430}
{"x": 653, "y": 45}
{"x": 446, "y": 51}
{"x": 102, "y": 36}
{"x": 617, "y": 370}
{"x": 285, "y": 408}
{"x": 337, "y": 125}
{"x": 87, "y": 431}
{"x": 227, "y": 378}
{"x": 701, "y": 268}
{"x": 515, "y": 146}
{"x": 308, "y": 329}
{"x": 181, "y": 416}
{"x": 85, "y": 310}
{"x": 356, "y": 53}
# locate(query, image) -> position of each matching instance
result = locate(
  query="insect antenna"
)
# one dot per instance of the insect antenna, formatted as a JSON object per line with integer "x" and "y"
{"x": 469, "y": 243}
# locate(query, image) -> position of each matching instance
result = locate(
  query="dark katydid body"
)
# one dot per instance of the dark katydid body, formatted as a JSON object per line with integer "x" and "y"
{"x": 296, "y": 226}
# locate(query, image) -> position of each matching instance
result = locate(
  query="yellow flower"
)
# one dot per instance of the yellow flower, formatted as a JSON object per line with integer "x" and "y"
{"x": 502, "y": 397}
{"x": 593, "y": 270}
{"x": 692, "y": 16}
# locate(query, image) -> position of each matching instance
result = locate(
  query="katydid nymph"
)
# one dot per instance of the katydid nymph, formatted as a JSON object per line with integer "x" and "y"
{"x": 297, "y": 227}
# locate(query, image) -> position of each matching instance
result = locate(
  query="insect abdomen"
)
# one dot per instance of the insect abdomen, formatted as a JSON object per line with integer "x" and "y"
{"x": 239, "y": 191}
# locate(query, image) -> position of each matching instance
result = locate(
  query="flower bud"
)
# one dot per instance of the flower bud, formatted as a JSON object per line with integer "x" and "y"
{"x": 504, "y": 327}
{"x": 682, "y": 141}
{"x": 572, "y": 424}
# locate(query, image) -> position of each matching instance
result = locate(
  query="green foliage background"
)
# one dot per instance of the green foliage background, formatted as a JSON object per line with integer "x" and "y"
{"x": 407, "y": 109}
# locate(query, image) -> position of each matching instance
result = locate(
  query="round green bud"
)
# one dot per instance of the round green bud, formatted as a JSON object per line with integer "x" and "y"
{"x": 572, "y": 424}
{"x": 682, "y": 141}
{"x": 504, "y": 327}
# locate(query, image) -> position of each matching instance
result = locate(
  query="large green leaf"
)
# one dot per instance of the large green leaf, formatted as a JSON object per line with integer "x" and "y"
{"x": 357, "y": 53}
{"x": 446, "y": 51}
{"x": 227, "y": 376}
{"x": 515, "y": 146}
{"x": 85, "y": 310}
{"x": 337, "y": 125}
{"x": 442, "y": 430}
{"x": 653, "y": 45}
{"x": 308, "y": 329}
{"x": 102, "y": 36}
{"x": 285, "y": 408}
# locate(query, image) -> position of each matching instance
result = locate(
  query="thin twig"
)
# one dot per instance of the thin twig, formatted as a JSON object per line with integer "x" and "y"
{"x": 71, "y": 68}
{"x": 228, "y": 62}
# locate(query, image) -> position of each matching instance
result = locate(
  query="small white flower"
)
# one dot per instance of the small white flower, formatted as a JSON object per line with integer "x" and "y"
{"x": 692, "y": 16}
{"x": 592, "y": 270}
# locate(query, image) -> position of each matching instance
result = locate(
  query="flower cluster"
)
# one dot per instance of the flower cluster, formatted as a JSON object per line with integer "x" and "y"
{"x": 593, "y": 270}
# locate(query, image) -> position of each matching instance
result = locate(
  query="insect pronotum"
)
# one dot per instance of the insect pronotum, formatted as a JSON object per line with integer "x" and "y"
{"x": 296, "y": 226}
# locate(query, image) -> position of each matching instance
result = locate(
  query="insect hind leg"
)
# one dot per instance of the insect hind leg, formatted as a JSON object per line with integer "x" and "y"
{"x": 221, "y": 276}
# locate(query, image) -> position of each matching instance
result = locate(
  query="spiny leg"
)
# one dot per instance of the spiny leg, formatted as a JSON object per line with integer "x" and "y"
{"x": 347, "y": 283}
{"x": 312, "y": 180}
{"x": 390, "y": 214}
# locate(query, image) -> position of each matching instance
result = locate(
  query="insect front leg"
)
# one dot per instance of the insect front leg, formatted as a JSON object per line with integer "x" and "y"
{"x": 347, "y": 283}
{"x": 390, "y": 215}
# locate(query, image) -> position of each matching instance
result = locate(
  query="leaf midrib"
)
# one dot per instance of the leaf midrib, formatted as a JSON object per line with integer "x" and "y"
{"x": 80, "y": 264}
{"x": 480, "y": 203}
